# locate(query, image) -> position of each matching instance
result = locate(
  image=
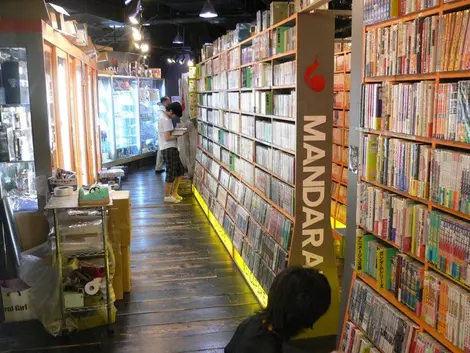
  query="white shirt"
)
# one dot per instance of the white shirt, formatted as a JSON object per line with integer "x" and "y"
{"x": 165, "y": 125}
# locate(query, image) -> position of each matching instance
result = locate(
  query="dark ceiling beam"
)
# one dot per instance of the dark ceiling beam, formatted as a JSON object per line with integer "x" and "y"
{"x": 98, "y": 8}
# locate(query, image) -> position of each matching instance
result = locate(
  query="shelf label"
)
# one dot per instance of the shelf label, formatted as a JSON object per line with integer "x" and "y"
{"x": 312, "y": 243}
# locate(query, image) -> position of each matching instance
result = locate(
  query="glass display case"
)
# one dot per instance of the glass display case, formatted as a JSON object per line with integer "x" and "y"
{"x": 55, "y": 123}
{"x": 149, "y": 99}
{"x": 128, "y": 114}
{"x": 105, "y": 107}
{"x": 17, "y": 173}
{"x": 126, "y": 117}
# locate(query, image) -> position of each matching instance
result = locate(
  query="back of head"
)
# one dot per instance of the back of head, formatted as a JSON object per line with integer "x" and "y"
{"x": 175, "y": 108}
{"x": 165, "y": 100}
{"x": 297, "y": 299}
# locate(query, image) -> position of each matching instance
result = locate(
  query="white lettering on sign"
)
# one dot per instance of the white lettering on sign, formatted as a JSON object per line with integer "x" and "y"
{"x": 313, "y": 191}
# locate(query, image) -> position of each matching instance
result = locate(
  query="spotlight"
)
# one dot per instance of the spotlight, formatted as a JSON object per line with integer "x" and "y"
{"x": 190, "y": 63}
{"x": 136, "y": 34}
{"x": 137, "y": 45}
{"x": 144, "y": 48}
{"x": 127, "y": 2}
{"x": 178, "y": 39}
{"x": 170, "y": 61}
{"x": 134, "y": 18}
{"x": 208, "y": 10}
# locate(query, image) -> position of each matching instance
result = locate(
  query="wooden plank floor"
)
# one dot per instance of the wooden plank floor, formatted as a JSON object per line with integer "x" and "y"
{"x": 187, "y": 294}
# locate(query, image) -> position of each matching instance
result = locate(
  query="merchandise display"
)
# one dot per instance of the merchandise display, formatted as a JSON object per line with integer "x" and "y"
{"x": 410, "y": 290}
{"x": 250, "y": 175}
{"x": 63, "y": 128}
{"x": 128, "y": 112}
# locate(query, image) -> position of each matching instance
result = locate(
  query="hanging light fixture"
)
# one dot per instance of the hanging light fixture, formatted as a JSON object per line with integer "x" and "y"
{"x": 137, "y": 45}
{"x": 208, "y": 10}
{"x": 136, "y": 34}
{"x": 178, "y": 39}
{"x": 134, "y": 18}
{"x": 144, "y": 48}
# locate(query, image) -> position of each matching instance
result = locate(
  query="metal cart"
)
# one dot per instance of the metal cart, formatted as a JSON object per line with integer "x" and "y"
{"x": 60, "y": 205}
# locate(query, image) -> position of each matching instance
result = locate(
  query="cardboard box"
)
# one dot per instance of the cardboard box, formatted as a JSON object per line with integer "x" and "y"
{"x": 117, "y": 278}
{"x": 33, "y": 229}
{"x": 25, "y": 9}
{"x": 119, "y": 221}
{"x": 279, "y": 11}
{"x": 57, "y": 15}
{"x": 126, "y": 268}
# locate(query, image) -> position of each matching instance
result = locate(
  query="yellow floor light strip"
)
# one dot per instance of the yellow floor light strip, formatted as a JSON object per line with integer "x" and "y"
{"x": 244, "y": 269}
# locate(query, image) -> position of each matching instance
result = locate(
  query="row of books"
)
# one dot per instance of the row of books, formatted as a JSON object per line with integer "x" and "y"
{"x": 450, "y": 181}
{"x": 276, "y": 161}
{"x": 247, "y": 149}
{"x": 396, "y": 163}
{"x": 283, "y": 40}
{"x": 261, "y": 46}
{"x": 228, "y": 140}
{"x": 387, "y": 328}
{"x": 356, "y": 341}
{"x": 338, "y": 172}
{"x": 285, "y": 73}
{"x": 454, "y": 42}
{"x": 241, "y": 32}
{"x": 339, "y": 192}
{"x": 285, "y": 105}
{"x": 248, "y": 125}
{"x": 284, "y": 135}
{"x": 278, "y": 11}
{"x": 403, "y": 48}
{"x": 338, "y": 211}
{"x": 227, "y": 120}
{"x": 340, "y": 154}
{"x": 361, "y": 336}
{"x": 442, "y": 304}
{"x": 257, "y": 265}
{"x": 341, "y": 99}
{"x": 245, "y": 201}
{"x": 406, "y": 108}
{"x": 280, "y": 193}
{"x": 376, "y": 11}
{"x": 247, "y": 55}
{"x": 392, "y": 217}
{"x": 341, "y": 118}
{"x": 264, "y": 130}
{"x": 341, "y": 81}
{"x": 263, "y": 245}
{"x": 343, "y": 62}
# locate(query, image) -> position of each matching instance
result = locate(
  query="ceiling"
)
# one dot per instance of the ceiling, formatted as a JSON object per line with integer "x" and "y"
{"x": 162, "y": 19}
{"x": 108, "y": 24}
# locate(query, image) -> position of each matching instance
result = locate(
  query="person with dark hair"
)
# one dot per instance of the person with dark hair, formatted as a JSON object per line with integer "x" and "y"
{"x": 297, "y": 299}
{"x": 170, "y": 154}
{"x": 164, "y": 102}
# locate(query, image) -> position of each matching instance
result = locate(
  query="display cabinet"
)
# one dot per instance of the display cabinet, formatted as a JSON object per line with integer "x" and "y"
{"x": 48, "y": 107}
{"x": 128, "y": 113}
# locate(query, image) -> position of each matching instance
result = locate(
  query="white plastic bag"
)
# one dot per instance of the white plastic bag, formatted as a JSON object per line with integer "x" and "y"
{"x": 17, "y": 306}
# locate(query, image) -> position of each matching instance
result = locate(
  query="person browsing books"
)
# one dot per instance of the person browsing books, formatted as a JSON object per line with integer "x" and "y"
{"x": 170, "y": 154}
{"x": 164, "y": 102}
{"x": 297, "y": 299}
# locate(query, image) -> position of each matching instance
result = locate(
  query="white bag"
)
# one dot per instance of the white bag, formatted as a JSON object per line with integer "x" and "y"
{"x": 16, "y": 306}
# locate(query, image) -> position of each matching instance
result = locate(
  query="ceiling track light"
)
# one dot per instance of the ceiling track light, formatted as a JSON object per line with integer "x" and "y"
{"x": 178, "y": 39}
{"x": 136, "y": 34}
{"x": 127, "y": 2}
{"x": 144, "y": 48}
{"x": 208, "y": 10}
{"x": 134, "y": 18}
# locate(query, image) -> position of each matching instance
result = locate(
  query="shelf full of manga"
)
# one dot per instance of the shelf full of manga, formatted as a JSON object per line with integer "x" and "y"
{"x": 411, "y": 289}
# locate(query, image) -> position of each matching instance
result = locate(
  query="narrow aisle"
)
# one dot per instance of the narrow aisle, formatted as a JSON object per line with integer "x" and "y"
{"x": 187, "y": 295}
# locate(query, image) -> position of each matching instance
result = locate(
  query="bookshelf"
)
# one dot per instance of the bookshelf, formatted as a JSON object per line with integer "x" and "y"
{"x": 264, "y": 151}
{"x": 412, "y": 248}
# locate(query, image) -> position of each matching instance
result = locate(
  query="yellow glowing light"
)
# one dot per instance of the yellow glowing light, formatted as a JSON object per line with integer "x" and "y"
{"x": 244, "y": 269}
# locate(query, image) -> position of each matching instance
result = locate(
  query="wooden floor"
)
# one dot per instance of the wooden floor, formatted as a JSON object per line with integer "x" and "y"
{"x": 187, "y": 294}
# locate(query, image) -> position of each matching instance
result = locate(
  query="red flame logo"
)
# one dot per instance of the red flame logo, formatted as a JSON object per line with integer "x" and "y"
{"x": 315, "y": 82}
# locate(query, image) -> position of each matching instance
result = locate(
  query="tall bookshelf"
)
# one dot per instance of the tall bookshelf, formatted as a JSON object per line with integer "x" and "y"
{"x": 264, "y": 154}
{"x": 340, "y": 145}
{"x": 412, "y": 245}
